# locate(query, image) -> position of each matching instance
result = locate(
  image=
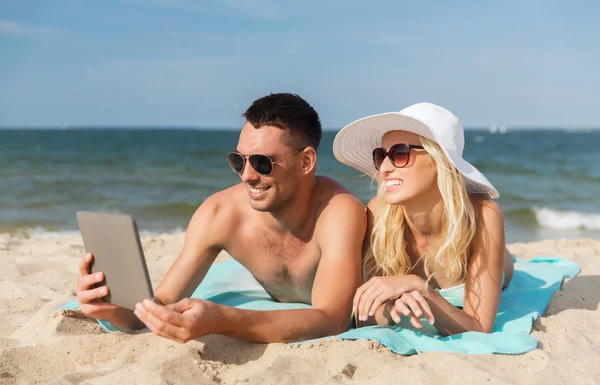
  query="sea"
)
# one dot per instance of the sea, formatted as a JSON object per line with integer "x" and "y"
{"x": 549, "y": 180}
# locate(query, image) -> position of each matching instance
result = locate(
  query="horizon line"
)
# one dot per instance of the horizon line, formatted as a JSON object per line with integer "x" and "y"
{"x": 226, "y": 128}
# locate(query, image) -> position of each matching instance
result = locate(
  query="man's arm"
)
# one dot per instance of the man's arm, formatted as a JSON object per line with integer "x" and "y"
{"x": 340, "y": 233}
{"x": 198, "y": 253}
{"x": 204, "y": 240}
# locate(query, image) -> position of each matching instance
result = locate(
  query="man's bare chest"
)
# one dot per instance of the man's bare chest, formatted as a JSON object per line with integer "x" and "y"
{"x": 284, "y": 266}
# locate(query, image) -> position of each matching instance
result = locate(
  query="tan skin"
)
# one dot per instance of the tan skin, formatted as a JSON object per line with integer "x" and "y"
{"x": 384, "y": 300}
{"x": 293, "y": 234}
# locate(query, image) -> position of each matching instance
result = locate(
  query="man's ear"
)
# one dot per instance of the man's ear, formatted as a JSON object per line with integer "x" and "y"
{"x": 309, "y": 160}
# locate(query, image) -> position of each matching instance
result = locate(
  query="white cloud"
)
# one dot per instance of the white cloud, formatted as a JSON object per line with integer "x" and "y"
{"x": 11, "y": 27}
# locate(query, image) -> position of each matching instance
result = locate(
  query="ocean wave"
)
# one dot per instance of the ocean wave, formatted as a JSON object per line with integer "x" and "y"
{"x": 42, "y": 232}
{"x": 536, "y": 168}
{"x": 152, "y": 233}
{"x": 566, "y": 220}
{"x": 45, "y": 233}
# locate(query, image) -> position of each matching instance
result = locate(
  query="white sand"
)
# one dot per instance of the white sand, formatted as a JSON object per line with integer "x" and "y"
{"x": 38, "y": 344}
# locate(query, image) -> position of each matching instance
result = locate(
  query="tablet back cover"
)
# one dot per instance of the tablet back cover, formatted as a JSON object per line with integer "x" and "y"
{"x": 114, "y": 241}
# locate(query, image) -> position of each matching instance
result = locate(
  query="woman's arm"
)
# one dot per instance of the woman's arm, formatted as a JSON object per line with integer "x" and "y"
{"x": 482, "y": 288}
{"x": 483, "y": 285}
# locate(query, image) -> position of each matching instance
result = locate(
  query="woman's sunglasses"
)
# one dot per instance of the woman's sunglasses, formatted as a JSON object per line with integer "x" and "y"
{"x": 399, "y": 155}
{"x": 263, "y": 164}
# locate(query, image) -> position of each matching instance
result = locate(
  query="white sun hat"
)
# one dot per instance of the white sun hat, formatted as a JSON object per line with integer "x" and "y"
{"x": 354, "y": 144}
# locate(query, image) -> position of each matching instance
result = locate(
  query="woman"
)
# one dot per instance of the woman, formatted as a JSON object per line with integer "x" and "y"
{"x": 435, "y": 244}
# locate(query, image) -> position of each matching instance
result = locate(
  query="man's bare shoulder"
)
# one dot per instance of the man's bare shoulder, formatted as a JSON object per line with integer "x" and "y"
{"x": 337, "y": 201}
{"x": 221, "y": 210}
{"x": 234, "y": 192}
{"x": 332, "y": 193}
{"x": 342, "y": 220}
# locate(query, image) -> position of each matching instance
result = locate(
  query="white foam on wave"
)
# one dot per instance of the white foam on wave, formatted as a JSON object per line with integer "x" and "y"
{"x": 566, "y": 220}
{"x": 148, "y": 233}
{"x": 40, "y": 232}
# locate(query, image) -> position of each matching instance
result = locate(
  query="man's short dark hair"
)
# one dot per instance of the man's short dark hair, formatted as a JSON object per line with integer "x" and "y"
{"x": 290, "y": 113}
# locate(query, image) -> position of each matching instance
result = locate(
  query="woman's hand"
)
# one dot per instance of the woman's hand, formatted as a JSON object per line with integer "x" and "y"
{"x": 413, "y": 305}
{"x": 379, "y": 290}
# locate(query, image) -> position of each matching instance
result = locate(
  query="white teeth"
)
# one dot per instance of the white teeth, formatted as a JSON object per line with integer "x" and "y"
{"x": 393, "y": 182}
{"x": 255, "y": 190}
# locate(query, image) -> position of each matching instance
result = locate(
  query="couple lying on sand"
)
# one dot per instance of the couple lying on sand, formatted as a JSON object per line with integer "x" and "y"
{"x": 431, "y": 243}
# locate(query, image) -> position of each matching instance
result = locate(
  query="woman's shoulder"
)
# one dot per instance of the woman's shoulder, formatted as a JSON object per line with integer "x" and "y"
{"x": 372, "y": 204}
{"x": 488, "y": 211}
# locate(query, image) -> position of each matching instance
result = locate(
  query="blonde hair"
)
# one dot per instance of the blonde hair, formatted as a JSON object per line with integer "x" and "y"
{"x": 448, "y": 254}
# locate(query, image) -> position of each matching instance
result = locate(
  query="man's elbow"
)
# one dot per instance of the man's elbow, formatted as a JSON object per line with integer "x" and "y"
{"x": 326, "y": 326}
{"x": 330, "y": 323}
{"x": 339, "y": 328}
{"x": 336, "y": 325}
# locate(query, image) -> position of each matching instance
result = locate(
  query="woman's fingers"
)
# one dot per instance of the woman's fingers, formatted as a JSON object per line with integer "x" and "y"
{"x": 393, "y": 311}
{"x": 377, "y": 301}
{"x": 370, "y": 296}
{"x": 359, "y": 294}
{"x": 416, "y": 321}
{"x": 424, "y": 306}
{"x": 402, "y": 306}
{"x": 415, "y": 310}
{"x": 366, "y": 300}
{"x": 413, "y": 305}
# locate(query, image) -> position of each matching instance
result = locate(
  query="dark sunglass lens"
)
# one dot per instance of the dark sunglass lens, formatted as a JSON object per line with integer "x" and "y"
{"x": 378, "y": 157}
{"x": 399, "y": 154}
{"x": 261, "y": 163}
{"x": 236, "y": 161}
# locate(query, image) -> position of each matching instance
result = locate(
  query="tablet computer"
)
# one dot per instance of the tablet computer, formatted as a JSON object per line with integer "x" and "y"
{"x": 114, "y": 241}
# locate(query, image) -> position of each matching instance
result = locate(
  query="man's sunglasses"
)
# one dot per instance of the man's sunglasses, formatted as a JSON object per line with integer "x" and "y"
{"x": 263, "y": 164}
{"x": 398, "y": 154}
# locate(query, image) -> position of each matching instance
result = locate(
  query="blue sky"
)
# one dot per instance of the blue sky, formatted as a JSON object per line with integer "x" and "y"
{"x": 201, "y": 63}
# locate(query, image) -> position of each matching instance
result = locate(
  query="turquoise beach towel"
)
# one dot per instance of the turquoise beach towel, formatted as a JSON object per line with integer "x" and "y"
{"x": 528, "y": 295}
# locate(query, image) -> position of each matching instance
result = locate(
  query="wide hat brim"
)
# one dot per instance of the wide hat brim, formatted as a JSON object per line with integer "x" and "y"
{"x": 354, "y": 145}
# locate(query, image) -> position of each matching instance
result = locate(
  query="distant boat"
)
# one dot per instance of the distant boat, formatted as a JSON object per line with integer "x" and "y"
{"x": 494, "y": 128}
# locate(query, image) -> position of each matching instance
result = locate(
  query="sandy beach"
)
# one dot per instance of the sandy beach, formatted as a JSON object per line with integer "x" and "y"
{"x": 40, "y": 344}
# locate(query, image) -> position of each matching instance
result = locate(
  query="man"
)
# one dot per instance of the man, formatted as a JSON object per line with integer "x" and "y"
{"x": 300, "y": 236}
